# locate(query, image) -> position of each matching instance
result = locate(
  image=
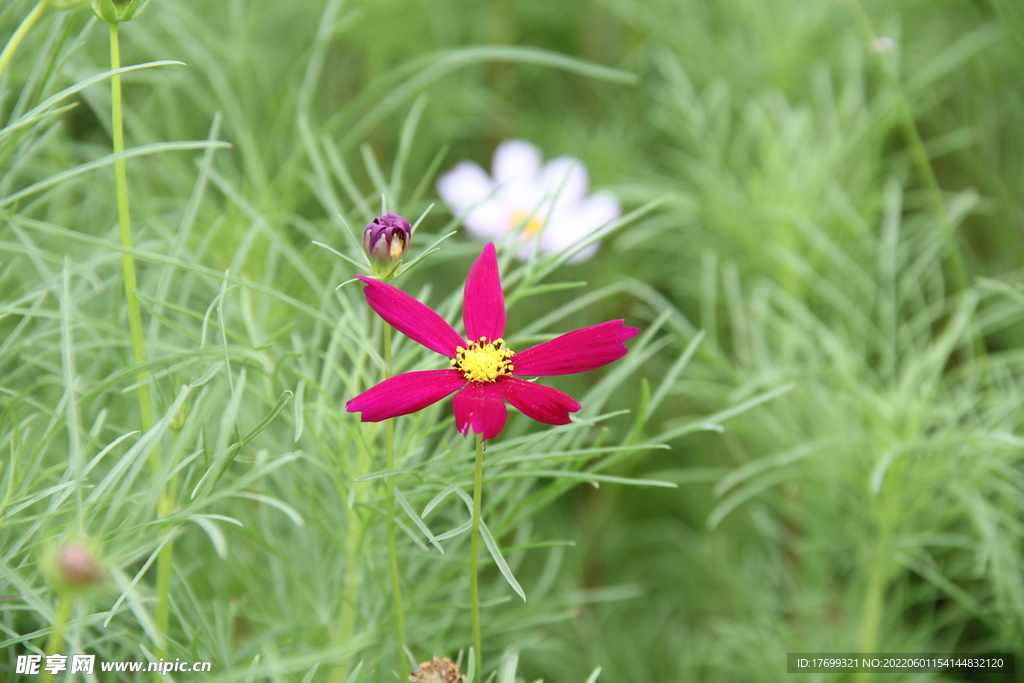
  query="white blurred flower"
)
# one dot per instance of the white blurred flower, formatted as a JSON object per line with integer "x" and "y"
{"x": 550, "y": 199}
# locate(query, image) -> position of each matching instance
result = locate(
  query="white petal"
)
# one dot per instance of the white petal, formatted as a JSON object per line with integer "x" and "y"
{"x": 487, "y": 221}
{"x": 490, "y": 208}
{"x": 598, "y": 209}
{"x": 562, "y": 236}
{"x": 465, "y": 185}
{"x": 570, "y": 224}
{"x": 566, "y": 179}
{"x": 515, "y": 160}
{"x": 553, "y": 243}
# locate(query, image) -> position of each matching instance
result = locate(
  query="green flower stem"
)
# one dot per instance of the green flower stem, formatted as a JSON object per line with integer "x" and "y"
{"x": 877, "y": 563}
{"x": 353, "y": 579}
{"x": 166, "y": 557}
{"x": 919, "y": 155}
{"x": 874, "y": 596}
{"x": 127, "y": 260}
{"x": 19, "y": 35}
{"x": 957, "y": 271}
{"x": 164, "y": 563}
{"x": 55, "y": 643}
{"x": 871, "y": 616}
{"x": 474, "y": 551}
{"x": 389, "y": 463}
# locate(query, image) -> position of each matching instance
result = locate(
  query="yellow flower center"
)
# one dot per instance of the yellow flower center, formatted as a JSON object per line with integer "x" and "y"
{"x": 482, "y": 360}
{"x": 532, "y": 227}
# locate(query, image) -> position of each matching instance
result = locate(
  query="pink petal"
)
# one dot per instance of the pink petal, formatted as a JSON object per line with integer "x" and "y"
{"x": 411, "y": 318}
{"x": 483, "y": 308}
{"x": 542, "y": 403}
{"x": 404, "y": 394}
{"x": 480, "y": 408}
{"x": 579, "y": 351}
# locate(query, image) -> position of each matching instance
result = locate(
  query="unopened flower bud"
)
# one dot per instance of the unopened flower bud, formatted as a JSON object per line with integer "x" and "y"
{"x": 438, "y": 671}
{"x": 75, "y": 566}
{"x": 116, "y": 10}
{"x": 180, "y": 417}
{"x": 386, "y": 239}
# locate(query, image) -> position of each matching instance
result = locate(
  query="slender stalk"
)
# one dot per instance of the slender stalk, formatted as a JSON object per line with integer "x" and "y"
{"x": 164, "y": 564}
{"x": 55, "y": 643}
{"x": 389, "y": 463}
{"x": 127, "y": 260}
{"x": 874, "y": 596}
{"x": 474, "y": 551}
{"x": 19, "y": 35}
{"x": 877, "y": 563}
{"x": 353, "y": 579}
{"x": 353, "y": 571}
{"x": 954, "y": 261}
{"x": 919, "y": 154}
{"x": 166, "y": 557}
{"x": 871, "y": 616}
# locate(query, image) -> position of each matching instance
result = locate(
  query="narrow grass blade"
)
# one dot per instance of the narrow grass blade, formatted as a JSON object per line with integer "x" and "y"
{"x": 492, "y": 547}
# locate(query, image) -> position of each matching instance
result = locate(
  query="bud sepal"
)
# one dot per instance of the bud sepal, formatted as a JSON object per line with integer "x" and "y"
{"x": 116, "y": 11}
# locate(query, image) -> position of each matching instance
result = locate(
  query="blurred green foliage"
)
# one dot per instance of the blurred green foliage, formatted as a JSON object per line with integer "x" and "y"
{"x": 874, "y": 502}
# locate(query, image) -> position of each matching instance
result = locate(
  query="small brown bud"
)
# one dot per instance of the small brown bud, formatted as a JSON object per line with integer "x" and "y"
{"x": 438, "y": 671}
{"x": 76, "y": 567}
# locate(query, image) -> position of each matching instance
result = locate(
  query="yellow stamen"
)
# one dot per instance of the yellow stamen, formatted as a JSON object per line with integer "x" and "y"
{"x": 483, "y": 360}
{"x": 532, "y": 227}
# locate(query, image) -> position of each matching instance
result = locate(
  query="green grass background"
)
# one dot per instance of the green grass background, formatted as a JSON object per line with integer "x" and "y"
{"x": 824, "y": 253}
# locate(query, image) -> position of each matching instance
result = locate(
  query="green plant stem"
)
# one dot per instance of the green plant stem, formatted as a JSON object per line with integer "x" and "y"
{"x": 474, "y": 551}
{"x": 389, "y": 463}
{"x": 163, "y": 587}
{"x": 954, "y": 261}
{"x": 871, "y": 616}
{"x": 353, "y": 570}
{"x": 19, "y": 35}
{"x": 127, "y": 260}
{"x": 353, "y": 579}
{"x": 166, "y": 557}
{"x": 877, "y": 562}
{"x": 55, "y": 643}
{"x": 874, "y": 596}
{"x": 919, "y": 155}
{"x": 164, "y": 564}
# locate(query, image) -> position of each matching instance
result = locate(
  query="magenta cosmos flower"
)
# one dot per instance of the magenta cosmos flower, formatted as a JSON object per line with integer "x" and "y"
{"x": 483, "y": 368}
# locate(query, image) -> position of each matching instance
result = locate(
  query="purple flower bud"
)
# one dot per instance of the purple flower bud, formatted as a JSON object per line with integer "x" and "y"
{"x": 386, "y": 239}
